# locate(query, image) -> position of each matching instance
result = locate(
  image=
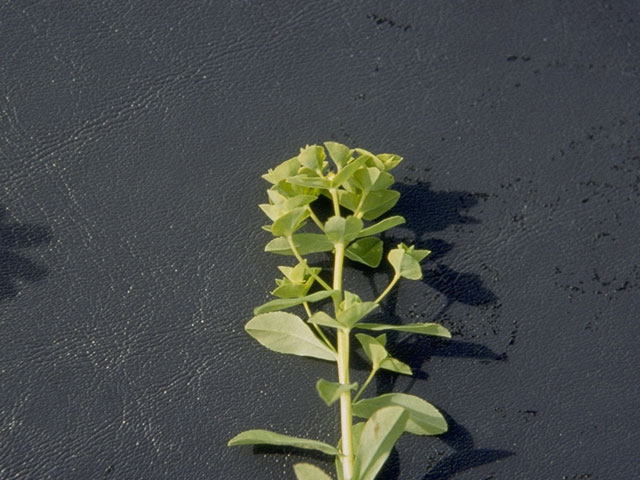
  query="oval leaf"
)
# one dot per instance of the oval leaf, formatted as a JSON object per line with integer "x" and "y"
{"x": 354, "y": 313}
{"x": 289, "y": 222}
{"x": 309, "y": 181}
{"x": 379, "y": 202}
{"x": 306, "y": 471}
{"x": 404, "y": 264}
{"x": 395, "y": 365}
{"x": 311, "y": 156}
{"x": 286, "y": 333}
{"x": 424, "y": 418}
{"x": 265, "y": 437}
{"x": 365, "y": 250}
{"x": 382, "y": 225}
{"x": 419, "y": 328}
{"x": 282, "y": 171}
{"x": 281, "y": 303}
{"x": 347, "y": 172}
{"x": 339, "y": 153}
{"x": 342, "y": 230}
{"x": 373, "y": 349}
{"x": 330, "y": 391}
{"x": 376, "y": 352}
{"x": 379, "y": 435}
{"x": 322, "y": 318}
{"x": 305, "y": 243}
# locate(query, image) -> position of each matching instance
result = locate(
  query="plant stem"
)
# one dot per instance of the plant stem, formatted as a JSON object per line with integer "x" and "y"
{"x": 315, "y": 218}
{"x": 365, "y": 384}
{"x": 395, "y": 279}
{"x": 336, "y": 203}
{"x": 358, "y": 213}
{"x": 346, "y": 419}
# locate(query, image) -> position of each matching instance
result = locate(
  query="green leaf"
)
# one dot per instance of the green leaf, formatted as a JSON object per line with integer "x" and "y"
{"x": 265, "y": 437}
{"x": 376, "y": 352}
{"x": 366, "y": 177}
{"x": 330, "y": 391}
{"x": 347, "y": 172}
{"x": 321, "y": 318}
{"x": 424, "y": 418}
{"x": 373, "y": 349}
{"x": 305, "y": 243}
{"x": 395, "y": 365}
{"x": 379, "y": 202}
{"x": 374, "y": 161}
{"x": 289, "y": 222}
{"x": 281, "y": 303}
{"x": 339, "y": 153}
{"x": 353, "y": 314}
{"x": 297, "y": 274}
{"x": 372, "y": 179}
{"x": 420, "y": 328}
{"x": 297, "y": 201}
{"x": 406, "y": 261}
{"x": 286, "y": 333}
{"x": 271, "y": 211}
{"x": 366, "y": 250}
{"x": 380, "y": 434}
{"x": 312, "y": 156}
{"x": 349, "y": 200}
{"x": 382, "y": 225}
{"x": 287, "y": 289}
{"x": 306, "y": 471}
{"x": 309, "y": 181}
{"x": 390, "y": 160}
{"x": 283, "y": 171}
{"x": 342, "y": 230}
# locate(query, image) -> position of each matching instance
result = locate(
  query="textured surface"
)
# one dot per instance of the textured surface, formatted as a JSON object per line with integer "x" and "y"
{"x": 132, "y": 137}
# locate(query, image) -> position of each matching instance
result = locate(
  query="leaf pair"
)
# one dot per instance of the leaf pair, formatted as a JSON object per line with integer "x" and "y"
{"x": 406, "y": 261}
{"x": 375, "y": 442}
{"x": 374, "y": 349}
{"x": 296, "y": 282}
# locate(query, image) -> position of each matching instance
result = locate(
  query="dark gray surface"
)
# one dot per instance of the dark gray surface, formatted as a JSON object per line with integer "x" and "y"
{"x": 132, "y": 137}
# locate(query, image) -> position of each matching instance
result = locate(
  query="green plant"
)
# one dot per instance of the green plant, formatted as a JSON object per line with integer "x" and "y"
{"x": 358, "y": 191}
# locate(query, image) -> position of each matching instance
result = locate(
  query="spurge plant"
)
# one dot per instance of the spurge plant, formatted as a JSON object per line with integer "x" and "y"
{"x": 357, "y": 188}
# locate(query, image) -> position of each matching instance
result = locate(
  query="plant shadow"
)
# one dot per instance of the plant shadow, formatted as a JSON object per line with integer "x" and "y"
{"x": 428, "y": 211}
{"x": 15, "y": 267}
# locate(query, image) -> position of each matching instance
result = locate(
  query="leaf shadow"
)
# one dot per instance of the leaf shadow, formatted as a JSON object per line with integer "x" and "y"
{"x": 15, "y": 267}
{"x": 465, "y": 456}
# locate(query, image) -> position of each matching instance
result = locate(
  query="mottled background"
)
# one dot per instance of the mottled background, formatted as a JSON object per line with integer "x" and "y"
{"x": 132, "y": 139}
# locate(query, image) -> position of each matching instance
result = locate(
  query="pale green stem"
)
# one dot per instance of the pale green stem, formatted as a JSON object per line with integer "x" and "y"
{"x": 336, "y": 203}
{"x": 318, "y": 329}
{"x": 395, "y": 279}
{"x": 365, "y": 384}
{"x": 358, "y": 213}
{"x": 315, "y": 219}
{"x": 346, "y": 416}
{"x": 293, "y": 248}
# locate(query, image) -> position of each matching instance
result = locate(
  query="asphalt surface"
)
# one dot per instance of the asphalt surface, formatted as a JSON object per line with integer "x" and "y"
{"x": 132, "y": 140}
